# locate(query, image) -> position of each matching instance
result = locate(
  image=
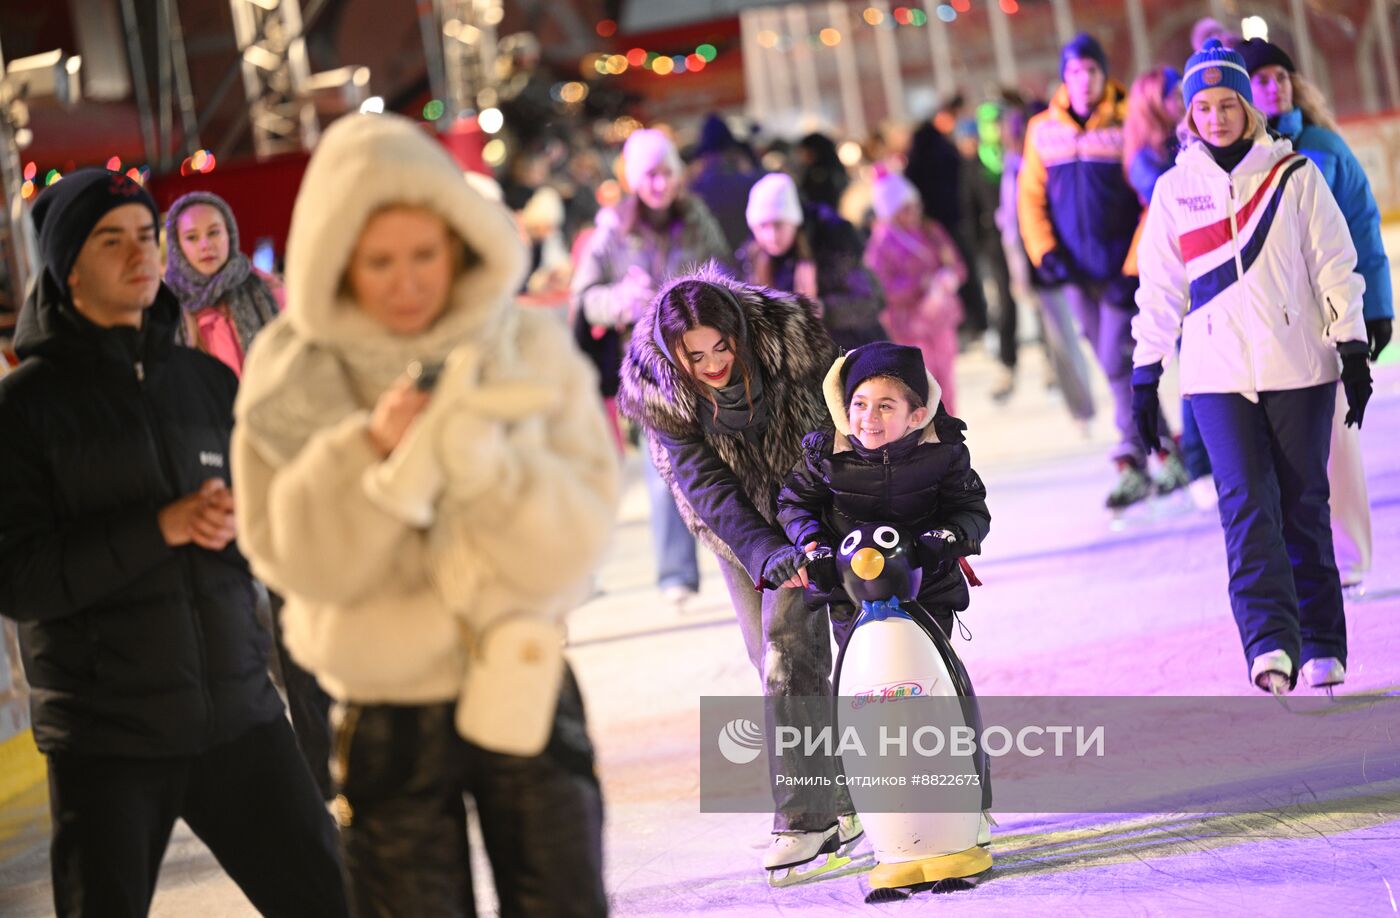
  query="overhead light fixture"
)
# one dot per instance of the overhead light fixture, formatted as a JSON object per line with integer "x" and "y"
{"x": 337, "y": 91}
{"x": 1254, "y": 27}
{"x": 53, "y": 74}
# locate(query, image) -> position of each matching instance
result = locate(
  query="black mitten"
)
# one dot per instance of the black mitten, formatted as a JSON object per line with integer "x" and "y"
{"x": 1147, "y": 408}
{"x": 1378, "y": 334}
{"x": 1056, "y": 268}
{"x": 939, "y": 546}
{"x": 821, "y": 569}
{"x": 1356, "y": 382}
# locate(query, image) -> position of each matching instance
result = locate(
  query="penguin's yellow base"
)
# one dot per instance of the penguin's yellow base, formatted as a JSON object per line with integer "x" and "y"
{"x": 931, "y": 869}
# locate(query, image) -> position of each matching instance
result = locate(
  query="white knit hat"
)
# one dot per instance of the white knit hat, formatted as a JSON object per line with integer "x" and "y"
{"x": 774, "y": 197}
{"x": 545, "y": 208}
{"x": 644, "y": 150}
{"x": 891, "y": 192}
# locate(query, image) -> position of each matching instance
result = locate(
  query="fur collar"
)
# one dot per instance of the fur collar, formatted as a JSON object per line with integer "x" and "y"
{"x": 835, "y": 397}
{"x": 362, "y": 164}
{"x": 788, "y": 342}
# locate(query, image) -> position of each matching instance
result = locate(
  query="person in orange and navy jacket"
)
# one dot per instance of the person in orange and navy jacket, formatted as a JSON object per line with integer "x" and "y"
{"x": 1078, "y": 215}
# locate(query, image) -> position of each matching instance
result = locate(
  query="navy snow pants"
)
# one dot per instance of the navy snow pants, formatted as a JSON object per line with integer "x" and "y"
{"x": 1270, "y": 462}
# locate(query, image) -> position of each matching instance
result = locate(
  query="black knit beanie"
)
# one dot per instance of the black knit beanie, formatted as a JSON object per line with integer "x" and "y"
{"x": 883, "y": 358}
{"x": 1081, "y": 46}
{"x": 1259, "y": 53}
{"x": 66, "y": 211}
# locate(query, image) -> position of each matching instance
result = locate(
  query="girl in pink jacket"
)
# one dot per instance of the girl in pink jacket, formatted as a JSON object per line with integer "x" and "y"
{"x": 920, "y": 270}
{"x": 225, "y": 301}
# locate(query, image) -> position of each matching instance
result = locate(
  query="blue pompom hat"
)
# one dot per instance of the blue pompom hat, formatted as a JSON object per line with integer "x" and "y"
{"x": 1216, "y": 66}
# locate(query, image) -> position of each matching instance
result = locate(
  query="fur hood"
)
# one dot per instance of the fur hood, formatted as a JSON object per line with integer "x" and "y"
{"x": 405, "y": 576}
{"x": 938, "y": 426}
{"x": 324, "y": 357}
{"x": 793, "y": 351}
{"x": 346, "y": 182}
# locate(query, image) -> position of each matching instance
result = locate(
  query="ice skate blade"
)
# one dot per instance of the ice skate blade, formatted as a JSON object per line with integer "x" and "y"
{"x": 834, "y": 865}
{"x": 958, "y": 866}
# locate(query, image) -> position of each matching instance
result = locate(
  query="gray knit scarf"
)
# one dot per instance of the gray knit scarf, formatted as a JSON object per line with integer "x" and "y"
{"x": 250, "y": 303}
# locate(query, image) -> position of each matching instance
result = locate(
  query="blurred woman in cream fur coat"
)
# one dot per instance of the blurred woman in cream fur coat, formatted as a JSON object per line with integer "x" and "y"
{"x": 429, "y": 538}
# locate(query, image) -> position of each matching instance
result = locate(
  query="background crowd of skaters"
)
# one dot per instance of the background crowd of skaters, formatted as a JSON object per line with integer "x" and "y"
{"x": 940, "y": 233}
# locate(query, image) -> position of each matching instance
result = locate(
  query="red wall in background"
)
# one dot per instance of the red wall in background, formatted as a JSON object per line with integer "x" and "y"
{"x": 260, "y": 193}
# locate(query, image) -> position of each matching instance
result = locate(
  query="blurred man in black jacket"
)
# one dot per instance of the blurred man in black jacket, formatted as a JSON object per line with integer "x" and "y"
{"x": 151, "y": 697}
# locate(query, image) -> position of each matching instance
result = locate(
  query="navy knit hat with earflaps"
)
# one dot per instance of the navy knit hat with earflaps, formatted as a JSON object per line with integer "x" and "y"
{"x": 883, "y": 358}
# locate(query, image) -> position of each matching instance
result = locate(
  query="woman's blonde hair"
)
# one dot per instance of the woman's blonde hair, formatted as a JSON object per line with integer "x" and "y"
{"x": 1256, "y": 123}
{"x": 1147, "y": 125}
{"x": 1309, "y": 98}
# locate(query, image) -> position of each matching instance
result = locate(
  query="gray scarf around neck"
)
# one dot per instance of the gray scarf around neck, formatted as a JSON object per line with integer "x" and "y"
{"x": 250, "y": 304}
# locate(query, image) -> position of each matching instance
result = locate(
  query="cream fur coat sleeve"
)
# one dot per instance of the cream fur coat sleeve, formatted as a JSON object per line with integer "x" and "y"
{"x": 372, "y": 599}
{"x": 307, "y": 527}
{"x": 537, "y": 529}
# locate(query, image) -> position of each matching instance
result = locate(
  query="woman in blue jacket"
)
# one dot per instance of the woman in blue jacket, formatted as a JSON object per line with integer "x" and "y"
{"x": 1297, "y": 110}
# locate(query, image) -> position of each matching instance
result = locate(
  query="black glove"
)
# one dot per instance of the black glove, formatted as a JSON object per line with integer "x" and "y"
{"x": 821, "y": 569}
{"x": 1378, "y": 333}
{"x": 1056, "y": 268}
{"x": 1356, "y": 382}
{"x": 939, "y": 546}
{"x": 781, "y": 566}
{"x": 1147, "y": 410}
{"x": 1121, "y": 293}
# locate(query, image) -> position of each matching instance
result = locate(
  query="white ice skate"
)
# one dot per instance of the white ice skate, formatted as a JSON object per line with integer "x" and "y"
{"x": 850, "y": 832}
{"x": 799, "y": 857}
{"x": 1323, "y": 673}
{"x": 1271, "y": 672}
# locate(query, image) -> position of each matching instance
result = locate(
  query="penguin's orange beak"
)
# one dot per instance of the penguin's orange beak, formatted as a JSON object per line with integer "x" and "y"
{"x": 868, "y": 563}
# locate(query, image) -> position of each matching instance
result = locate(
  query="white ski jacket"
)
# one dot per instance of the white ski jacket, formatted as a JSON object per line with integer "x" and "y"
{"x": 1254, "y": 270}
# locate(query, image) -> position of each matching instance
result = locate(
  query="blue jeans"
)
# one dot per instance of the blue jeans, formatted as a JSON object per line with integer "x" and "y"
{"x": 1270, "y": 462}
{"x": 674, "y": 546}
{"x": 1062, "y": 348}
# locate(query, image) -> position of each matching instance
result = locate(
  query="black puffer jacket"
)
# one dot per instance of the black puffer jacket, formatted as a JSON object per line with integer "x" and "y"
{"x": 917, "y": 483}
{"x": 132, "y": 648}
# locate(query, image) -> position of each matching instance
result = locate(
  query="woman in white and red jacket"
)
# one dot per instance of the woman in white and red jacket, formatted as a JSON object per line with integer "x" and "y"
{"x": 1247, "y": 257}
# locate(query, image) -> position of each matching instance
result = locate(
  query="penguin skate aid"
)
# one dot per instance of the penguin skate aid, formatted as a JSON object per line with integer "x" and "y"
{"x": 896, "y": 642}
{"x": 894, "y": 482}
{"x": 726, "y": 379}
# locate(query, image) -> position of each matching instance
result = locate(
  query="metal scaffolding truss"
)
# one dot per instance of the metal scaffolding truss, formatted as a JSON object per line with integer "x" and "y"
{"x": 17, "y": 243}
{"x": 173, "y": 89}
{"x": 459, "y": 41}
{"x": 18, "y": 247}
{"x": 275, "y": 74}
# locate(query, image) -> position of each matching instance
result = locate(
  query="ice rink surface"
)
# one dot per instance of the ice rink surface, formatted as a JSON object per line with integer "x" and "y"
{"x": 1074, "y": 604}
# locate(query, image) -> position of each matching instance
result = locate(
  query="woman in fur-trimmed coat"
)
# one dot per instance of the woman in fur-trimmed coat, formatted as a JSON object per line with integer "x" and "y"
{"x": 428, "y": 539}
{"x": 726, "y": 379}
